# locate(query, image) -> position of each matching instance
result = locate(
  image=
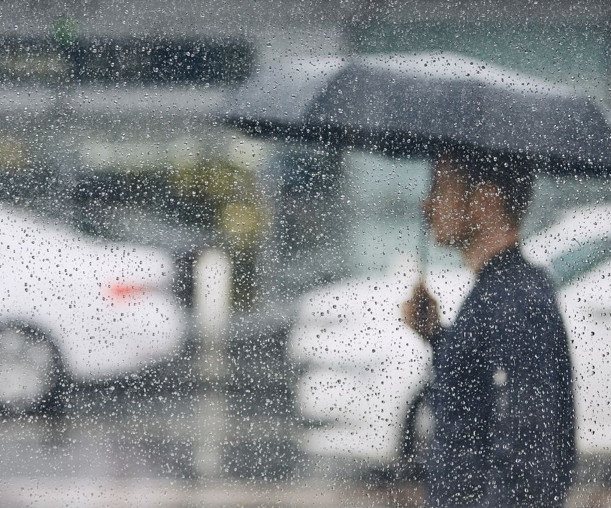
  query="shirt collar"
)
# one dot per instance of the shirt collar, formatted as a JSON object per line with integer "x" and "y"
{"x": 501, "y": 262}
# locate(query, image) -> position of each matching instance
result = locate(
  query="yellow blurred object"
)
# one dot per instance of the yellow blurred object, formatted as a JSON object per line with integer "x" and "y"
{"x": 243, "y": 223}
{"x": 26, "y": 66}
{"x": 219, "y": 180}
{"x": 13, "y": 155}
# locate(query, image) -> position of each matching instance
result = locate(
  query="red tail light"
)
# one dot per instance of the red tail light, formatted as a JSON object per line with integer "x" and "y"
{"x": 125, "y": 290}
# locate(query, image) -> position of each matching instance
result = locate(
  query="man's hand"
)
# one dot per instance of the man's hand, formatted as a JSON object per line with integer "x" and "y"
{"x": 421, "y": 313}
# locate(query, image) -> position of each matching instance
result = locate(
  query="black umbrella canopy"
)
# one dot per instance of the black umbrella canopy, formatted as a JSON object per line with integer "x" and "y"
{"x": 409, "y": 104}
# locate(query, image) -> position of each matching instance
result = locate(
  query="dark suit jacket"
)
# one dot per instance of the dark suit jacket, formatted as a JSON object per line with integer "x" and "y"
{"x": 502, "y": 394}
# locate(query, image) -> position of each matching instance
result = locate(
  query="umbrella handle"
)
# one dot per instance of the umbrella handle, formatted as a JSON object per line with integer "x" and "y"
{"x": 422, "y": 249}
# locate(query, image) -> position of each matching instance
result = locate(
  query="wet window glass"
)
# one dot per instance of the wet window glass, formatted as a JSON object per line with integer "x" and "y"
{"x": 305, "y": 253}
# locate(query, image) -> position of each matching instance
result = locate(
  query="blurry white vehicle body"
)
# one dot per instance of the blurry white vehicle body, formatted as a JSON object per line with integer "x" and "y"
{"x": 107, "y": 310}
{"x": 363, "y": 369}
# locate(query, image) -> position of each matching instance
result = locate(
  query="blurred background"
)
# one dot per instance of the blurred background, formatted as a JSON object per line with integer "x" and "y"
{"x": 191, "y": 316}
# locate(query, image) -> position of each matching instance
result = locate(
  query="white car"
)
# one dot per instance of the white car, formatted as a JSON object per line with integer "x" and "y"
{"x": 79, "y": 308}
{"x": 363, "y": 370}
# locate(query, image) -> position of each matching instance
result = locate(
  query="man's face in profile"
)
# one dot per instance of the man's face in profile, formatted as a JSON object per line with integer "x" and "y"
{"x": 447, "y": 208}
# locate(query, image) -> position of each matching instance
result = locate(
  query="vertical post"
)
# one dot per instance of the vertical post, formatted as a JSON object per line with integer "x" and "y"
{"x": 212, "y": 283}
{"x": 212, "y": 306}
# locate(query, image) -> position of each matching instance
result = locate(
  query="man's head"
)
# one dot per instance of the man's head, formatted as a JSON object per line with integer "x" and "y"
{"x": 475, "y": 194}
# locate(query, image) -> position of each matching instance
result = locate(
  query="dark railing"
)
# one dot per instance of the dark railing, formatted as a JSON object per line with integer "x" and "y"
{"x": 131, "y": 60}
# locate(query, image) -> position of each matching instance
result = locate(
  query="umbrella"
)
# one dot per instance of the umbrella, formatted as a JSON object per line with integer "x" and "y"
{"x": 409, "y": 104}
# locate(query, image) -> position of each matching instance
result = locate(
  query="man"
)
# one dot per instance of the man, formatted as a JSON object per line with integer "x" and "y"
{"x": 501, "y": 394}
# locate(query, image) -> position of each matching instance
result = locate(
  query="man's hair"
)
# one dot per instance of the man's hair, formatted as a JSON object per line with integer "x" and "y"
{"x": 509, "y": 173}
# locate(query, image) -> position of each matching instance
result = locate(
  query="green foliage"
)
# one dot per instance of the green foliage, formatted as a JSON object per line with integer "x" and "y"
{"x": 65, "y": 31}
